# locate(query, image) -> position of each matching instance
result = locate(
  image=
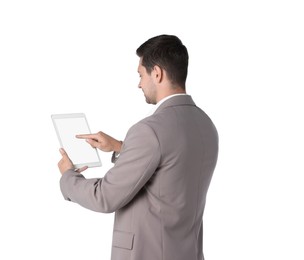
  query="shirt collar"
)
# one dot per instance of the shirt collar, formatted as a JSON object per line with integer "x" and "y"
{"x": 162, "y": 101}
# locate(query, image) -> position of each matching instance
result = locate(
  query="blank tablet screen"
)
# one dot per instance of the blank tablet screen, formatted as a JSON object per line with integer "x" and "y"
{"x": 80, "y": 152}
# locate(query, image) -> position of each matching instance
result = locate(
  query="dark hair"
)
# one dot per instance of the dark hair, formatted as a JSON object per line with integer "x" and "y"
{"x": 169, "y": 53}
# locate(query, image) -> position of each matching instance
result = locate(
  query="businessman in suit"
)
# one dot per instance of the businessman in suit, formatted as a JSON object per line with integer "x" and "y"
{"x": 162, "y": 170}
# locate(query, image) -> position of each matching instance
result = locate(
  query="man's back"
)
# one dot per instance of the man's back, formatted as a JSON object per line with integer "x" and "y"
{"x": 164, "y": 219}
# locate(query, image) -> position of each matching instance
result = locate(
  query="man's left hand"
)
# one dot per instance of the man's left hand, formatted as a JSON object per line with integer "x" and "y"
{"x": 66, "y": 164}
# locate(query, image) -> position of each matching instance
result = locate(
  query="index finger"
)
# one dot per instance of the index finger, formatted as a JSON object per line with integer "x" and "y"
{"x": 86, "y": 136}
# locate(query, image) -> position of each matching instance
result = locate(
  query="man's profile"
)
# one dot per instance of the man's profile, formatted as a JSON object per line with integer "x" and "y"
{"x": 162, "y": 169}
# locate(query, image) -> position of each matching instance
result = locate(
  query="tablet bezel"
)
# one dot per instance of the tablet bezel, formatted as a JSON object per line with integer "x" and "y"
{"x": 75, "y": 115}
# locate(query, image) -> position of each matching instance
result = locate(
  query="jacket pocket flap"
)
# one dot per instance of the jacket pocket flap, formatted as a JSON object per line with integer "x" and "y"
{"x": 123, "y": 239}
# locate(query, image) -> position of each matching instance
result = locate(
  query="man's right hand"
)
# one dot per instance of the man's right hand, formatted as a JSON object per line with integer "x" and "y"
{"x": 102, "y": 141}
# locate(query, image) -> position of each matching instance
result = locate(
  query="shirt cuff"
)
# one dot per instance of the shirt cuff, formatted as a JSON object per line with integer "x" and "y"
{"x": 115, "y": 156}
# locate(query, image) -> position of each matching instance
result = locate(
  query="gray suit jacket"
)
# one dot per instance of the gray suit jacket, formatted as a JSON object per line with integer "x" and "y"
{"x": 158, "y": 186}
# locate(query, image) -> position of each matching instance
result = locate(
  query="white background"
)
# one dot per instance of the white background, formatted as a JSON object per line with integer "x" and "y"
{"x": 246, "y": 71}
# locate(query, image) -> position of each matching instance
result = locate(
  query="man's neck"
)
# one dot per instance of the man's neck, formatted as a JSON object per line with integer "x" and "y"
{"x": 165, "y": 94}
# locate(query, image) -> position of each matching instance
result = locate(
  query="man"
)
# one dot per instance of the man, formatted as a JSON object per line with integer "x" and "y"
{"x": 158, "y": 184}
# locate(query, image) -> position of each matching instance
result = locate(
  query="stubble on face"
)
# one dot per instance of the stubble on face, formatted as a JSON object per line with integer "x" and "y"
{"x": 150, "y": 96}
{"x": 146, "y": 84}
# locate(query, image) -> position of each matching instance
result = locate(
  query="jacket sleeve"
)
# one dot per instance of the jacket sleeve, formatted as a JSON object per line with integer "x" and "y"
{"x": 138, "y": 161}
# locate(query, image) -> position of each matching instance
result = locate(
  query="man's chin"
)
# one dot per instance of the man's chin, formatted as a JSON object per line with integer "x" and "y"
{"x": 149, "y": 101}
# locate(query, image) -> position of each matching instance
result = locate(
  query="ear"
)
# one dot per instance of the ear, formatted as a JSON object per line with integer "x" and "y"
{"x": 158, "y": 74}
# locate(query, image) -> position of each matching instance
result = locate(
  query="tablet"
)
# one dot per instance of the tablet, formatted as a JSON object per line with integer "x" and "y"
{"x": 67, "y": 126}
